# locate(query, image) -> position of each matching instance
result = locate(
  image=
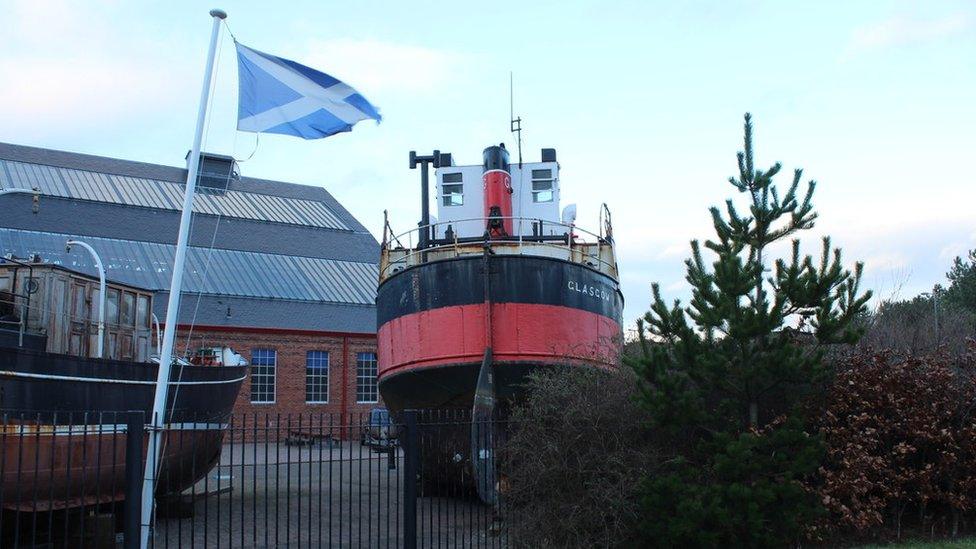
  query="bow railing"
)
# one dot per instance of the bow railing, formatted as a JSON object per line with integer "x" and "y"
{"x": 549, "y": 239}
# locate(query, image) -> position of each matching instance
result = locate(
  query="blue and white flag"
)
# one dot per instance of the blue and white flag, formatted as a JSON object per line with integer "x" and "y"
{"x": 280, "y": 96}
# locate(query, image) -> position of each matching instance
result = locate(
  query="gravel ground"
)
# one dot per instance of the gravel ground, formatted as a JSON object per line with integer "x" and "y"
{"x": 326, "y": 495}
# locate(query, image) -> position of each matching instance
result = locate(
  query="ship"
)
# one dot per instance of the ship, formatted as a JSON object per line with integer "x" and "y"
{"x": 67, "y": 380}
{"x": 499, "y": 284}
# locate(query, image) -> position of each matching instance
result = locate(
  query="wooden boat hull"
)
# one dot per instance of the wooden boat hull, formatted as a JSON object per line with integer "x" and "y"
{"x": 63, "y": 426}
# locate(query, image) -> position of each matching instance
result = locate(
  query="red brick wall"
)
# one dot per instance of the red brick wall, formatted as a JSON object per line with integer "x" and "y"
{"x": 291, "y": 349}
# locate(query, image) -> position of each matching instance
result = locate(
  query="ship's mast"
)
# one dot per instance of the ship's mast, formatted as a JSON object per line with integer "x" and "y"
{"x": 516, "y": 123}
{"x": 516, "y": 127}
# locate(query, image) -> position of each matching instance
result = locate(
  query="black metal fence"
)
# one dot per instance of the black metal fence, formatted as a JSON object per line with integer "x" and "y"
{"x": 260, "y": 480}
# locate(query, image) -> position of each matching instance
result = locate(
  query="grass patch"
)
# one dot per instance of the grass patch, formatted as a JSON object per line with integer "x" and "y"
{"x": 962, "y": 543}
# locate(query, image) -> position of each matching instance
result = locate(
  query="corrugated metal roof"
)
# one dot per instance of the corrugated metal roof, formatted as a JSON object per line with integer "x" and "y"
{"x": 210, "y": 271}
{"x": 155, "y": 193}
{"x": 209, "y": 310}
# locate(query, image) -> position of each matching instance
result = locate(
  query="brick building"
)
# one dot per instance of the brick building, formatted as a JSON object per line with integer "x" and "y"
{"x": 280, "y": 272}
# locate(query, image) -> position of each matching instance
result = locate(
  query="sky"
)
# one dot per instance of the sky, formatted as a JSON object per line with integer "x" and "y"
{"x": 643, "y": 101}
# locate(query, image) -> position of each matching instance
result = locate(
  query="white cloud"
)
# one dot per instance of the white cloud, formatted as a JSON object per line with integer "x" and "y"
{"x": 680, "y": 285}
{"x": 84, "y": 90}
{"x": 902, "y": 30}
{"x": 885, "y": 261}
{"x": 682, "y": 249}
{"x": 635, "y": 247}
{"x": 64, "y": 69}
{"x": 376, "y": 66}
{"x": 664, "y": 237}
{"x": 37, "y": 23}
{"x": 957, "y": 248}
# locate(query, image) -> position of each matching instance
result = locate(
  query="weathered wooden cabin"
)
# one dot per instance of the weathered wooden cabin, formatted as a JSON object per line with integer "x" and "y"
{"x": 61, "y": 311}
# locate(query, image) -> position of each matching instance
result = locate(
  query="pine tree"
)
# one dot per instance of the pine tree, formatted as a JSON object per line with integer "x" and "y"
{"x": 722, "y": 377}
{"x": 962, "y": 282}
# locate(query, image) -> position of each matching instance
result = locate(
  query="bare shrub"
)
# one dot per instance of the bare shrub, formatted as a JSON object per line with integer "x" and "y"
{"x": 920, "y": 325}
{"x": 574, "y": 461}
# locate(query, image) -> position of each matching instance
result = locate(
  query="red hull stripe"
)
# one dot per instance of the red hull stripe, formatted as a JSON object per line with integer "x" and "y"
{"x": 523, "y": 332}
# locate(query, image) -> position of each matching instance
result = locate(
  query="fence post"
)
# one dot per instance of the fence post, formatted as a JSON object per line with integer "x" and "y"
{"x": 411, "y": 456}
{"x": 134, "y": 434}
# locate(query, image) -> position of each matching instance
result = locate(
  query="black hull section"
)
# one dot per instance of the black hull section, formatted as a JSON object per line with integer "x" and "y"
{"x": 513, "y": 279}
{"x": 451, "y": 387}
{"x": 37, "y": 382}
{"x": 12, "y": 338}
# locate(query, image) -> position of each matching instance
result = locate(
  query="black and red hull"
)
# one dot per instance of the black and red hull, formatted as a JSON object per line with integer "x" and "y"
{"x": 62, "y": 425}
{"x": 436, "y": 319}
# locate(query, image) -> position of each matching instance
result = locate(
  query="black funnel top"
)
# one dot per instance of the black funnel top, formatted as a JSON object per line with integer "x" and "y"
{"x": 496, "y": 158}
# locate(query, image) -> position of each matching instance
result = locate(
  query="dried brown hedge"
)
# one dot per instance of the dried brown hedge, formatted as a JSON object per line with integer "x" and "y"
{"x": 900, "y": 436}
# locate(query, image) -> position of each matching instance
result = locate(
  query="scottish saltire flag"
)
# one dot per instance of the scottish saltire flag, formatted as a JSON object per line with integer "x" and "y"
{"x": 280, "y": 96}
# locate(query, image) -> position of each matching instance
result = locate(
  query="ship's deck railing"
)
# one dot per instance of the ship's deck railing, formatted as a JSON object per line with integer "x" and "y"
{"x": 14, "y": 307}
{"x": 13, "y": 313}
{"x": 566, "y": 241}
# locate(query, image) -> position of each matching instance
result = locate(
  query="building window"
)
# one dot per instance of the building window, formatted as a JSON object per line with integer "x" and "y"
{"x": 317, "y": 377}
{"x": 452, "y": 189}
{"x": 263, "y": 363}
{"x": 366, "y": 377}
{"x": 542, "y": 186}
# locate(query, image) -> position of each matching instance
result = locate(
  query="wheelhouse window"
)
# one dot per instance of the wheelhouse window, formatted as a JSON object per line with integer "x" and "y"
{"x": 366, "y": 390}
{"x": 128, "y": 315}
{"x": 96, "y": 298}
{"x": 317, "y": 377}
{"x": 143, "y": 319}
{"x": 263, "y": 365}
{"x": 452, "y": 189}
{"x": 78, "y": 303}
{"x": 542, "y": 186}
{"x": 112, "y": 306}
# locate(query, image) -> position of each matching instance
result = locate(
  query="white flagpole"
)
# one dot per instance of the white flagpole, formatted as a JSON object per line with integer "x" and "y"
{"x": 172, "y": 309}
